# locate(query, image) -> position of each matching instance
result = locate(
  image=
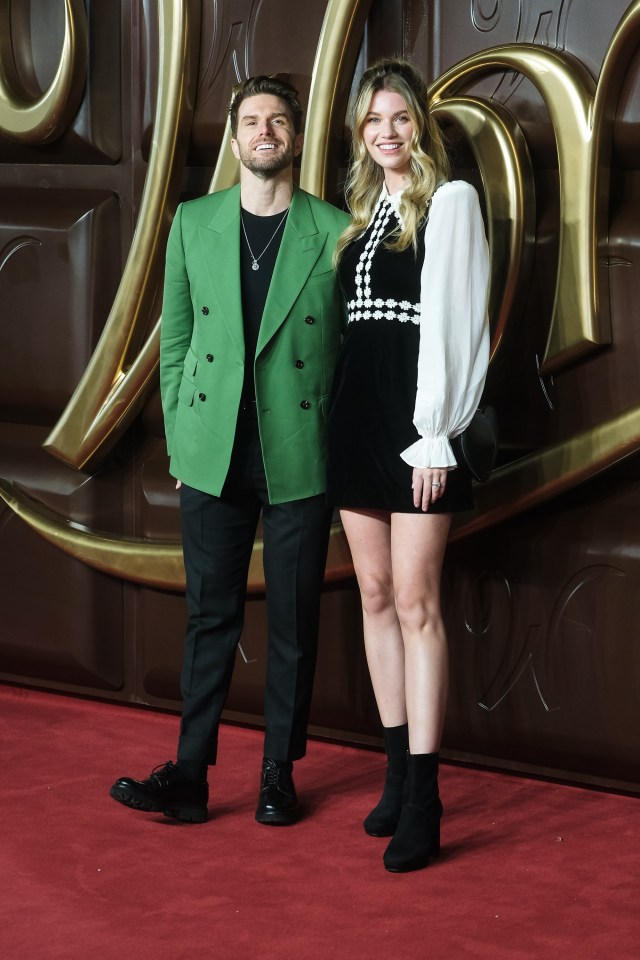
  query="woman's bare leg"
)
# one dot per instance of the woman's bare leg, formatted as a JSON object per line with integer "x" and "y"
{"x": 369, "y": 536}
{"x": 417, "y": 551}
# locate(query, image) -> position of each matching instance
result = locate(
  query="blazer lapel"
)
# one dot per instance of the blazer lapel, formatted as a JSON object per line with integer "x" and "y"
{"x": 301, "y": 246}
{"x": 220, "y": 249}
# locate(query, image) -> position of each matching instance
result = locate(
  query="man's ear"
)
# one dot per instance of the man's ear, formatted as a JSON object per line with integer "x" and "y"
{"x": 298, "y": 144}
{"x": 234, "y": 147}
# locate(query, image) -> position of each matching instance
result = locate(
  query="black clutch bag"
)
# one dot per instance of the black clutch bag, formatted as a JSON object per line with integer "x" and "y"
{"x": 479, "y": 443}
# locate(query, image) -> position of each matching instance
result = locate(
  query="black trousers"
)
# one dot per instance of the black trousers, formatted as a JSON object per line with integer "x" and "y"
{"x": 218, "y": 535}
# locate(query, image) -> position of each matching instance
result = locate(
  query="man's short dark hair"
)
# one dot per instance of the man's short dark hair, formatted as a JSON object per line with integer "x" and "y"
{"x": 276, "y": 88}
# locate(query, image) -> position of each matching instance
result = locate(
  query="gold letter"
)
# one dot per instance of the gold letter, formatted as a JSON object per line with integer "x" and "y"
{"x": 44, "y": 119}
{"x": 112, "y": 387}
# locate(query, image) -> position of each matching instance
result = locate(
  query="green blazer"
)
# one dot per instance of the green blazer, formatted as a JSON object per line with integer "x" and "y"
{"x": 202, "y": 344}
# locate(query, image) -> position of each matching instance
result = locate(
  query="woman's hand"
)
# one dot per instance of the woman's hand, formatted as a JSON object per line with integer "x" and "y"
{"x": 428, "y": 485}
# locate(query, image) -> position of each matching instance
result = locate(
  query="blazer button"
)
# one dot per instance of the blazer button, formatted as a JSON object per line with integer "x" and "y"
{"x": 305, "y": 404}
{"x": 202, "y": 396}
{"x": 309, "y": 319}
{"x": 205, "y": 311}
{"x": 210, "y": 358}
{"x": 299, "y": 364}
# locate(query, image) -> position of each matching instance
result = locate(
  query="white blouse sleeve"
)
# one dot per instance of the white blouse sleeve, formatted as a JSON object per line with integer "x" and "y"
{"x": 454, "y": 326}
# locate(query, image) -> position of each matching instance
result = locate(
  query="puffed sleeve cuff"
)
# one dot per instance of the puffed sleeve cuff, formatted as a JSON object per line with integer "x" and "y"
{"x": 430, "y": 452}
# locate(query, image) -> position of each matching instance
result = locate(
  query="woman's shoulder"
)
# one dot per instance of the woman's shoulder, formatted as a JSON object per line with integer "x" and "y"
{"x": 455, "y": 192}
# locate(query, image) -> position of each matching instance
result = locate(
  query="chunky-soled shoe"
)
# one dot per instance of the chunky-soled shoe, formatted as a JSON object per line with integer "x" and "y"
{"x": 417, "y": 836}
{"x": 383, "y": 819}
{"x": 165, "y": 791}
{"x": 277, "y": 802}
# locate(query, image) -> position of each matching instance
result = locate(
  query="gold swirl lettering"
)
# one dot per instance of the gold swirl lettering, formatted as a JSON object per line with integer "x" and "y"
{"x": 113, "y": 386}
{"x": 332, "y": 70}
{"x": 158, "y": 564}
{"x": 45, "y": 119}
{"x": 503, "y": 158}
{"x": 580, "y": 320}
{"x": 581, "y": 115}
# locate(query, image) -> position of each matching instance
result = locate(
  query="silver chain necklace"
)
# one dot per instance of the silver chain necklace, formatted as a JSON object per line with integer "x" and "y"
{"x": 255, "y": 265}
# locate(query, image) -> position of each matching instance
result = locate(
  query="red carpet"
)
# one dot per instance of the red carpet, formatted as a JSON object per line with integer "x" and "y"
{"x": 528, "y": 870}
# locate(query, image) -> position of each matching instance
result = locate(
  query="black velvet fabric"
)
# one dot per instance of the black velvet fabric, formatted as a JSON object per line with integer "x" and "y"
{"x": 374, "y": 389}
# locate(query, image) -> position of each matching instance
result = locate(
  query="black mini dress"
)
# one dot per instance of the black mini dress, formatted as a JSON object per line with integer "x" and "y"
{"x": 370, "y": 419}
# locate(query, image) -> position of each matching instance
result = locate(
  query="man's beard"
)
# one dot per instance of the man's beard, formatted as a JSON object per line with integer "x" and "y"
{"x": 267, "y": 163}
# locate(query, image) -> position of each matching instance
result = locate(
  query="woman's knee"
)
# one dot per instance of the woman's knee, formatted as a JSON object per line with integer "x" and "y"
{"x": 418, "y": 611}
{"x": 376, "y": 592}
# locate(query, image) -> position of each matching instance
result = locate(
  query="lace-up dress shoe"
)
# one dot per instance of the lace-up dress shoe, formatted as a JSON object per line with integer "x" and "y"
{"x": 165, "y": 791}
{"x": 277, "y": 803}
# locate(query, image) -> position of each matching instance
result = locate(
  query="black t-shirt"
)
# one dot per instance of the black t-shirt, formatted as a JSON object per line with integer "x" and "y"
{"x": 255, "y": 283}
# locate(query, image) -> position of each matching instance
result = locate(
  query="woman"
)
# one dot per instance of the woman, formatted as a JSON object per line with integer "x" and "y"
{"x": 414, "y": 267}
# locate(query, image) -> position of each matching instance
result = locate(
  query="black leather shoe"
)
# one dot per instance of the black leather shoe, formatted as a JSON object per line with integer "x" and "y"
{"x": 166, "y": 791}
{"x": 277, "y": 803}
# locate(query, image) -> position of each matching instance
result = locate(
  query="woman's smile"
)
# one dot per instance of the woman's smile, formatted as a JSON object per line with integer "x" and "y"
{"x": 388, "y": 134}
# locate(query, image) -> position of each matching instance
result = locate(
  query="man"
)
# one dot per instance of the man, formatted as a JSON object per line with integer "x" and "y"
{"x": 251, "y": 328}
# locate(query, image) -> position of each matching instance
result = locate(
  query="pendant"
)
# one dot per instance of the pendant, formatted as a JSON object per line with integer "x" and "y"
{"x": 255, "y": 265}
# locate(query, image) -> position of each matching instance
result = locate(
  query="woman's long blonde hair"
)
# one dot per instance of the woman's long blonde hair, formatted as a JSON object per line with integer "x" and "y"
{"x": 429, "y": 161}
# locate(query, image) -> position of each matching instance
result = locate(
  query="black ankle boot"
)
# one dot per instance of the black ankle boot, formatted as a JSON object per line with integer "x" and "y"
{"x": 383, "y": 819}
{"x": 417, "y": 836}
